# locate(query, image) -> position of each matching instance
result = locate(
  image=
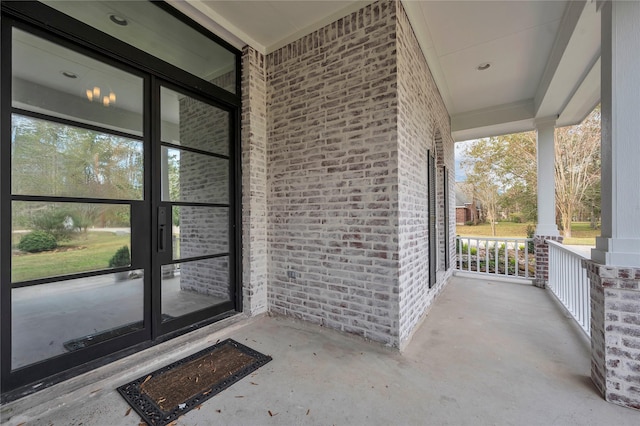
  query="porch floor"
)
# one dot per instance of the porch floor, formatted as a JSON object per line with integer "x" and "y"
{"x": 488, "y": 353}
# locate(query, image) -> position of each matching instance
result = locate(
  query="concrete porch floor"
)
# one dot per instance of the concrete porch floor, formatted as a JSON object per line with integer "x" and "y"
{"x": 488, "y": 353}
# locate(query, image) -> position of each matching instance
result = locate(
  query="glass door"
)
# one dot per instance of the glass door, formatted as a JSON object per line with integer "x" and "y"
{"x": 79, "y": 207}
{"x": 119, "y": 192}
{"x": 194, "y": 212}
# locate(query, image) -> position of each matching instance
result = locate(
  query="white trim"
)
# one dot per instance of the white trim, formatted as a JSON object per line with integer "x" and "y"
{"x": 205, "y": 16}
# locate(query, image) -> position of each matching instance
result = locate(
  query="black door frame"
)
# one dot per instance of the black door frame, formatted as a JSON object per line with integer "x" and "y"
{"x": 46, "y": 22}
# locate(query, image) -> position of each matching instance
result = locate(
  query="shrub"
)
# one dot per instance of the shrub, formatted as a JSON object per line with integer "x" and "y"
{"x": 531, "y": 231}
{"x": 37, "y": 241}
{"x": 469, "y": 223}
{"x": 61, "y": 223}
{"x": 465, "y": 250}
{"x": 120, "y": 258}
{"x": 515, "y": 218}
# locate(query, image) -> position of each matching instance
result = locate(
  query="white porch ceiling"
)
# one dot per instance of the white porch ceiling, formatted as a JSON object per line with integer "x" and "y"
{"x": 544, "y": 55}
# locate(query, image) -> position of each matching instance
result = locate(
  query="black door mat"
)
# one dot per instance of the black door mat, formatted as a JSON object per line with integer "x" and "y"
{"x": 166, "y": 394}
{"x": 93, "y": 339}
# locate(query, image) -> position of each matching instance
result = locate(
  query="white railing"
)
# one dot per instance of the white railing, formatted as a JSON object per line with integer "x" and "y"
{"x": 569, "y": 283}
{"x": 510, "y": 257}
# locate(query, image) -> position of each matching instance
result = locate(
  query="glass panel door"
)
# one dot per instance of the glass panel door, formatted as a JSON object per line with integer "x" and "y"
{"x": 118, "y": 197}
{"x": 78, "y": 209}
{"x": 195, "y": 206}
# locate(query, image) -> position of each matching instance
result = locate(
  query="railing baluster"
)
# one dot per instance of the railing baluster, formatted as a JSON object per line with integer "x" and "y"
{"x": 568, "y": 282}
{"x": 486, "y": 255}
{"x": 517, "y": 248}
{"x": 492, "y": 258}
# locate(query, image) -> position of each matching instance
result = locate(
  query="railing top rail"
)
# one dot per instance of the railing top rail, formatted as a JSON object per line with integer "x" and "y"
{"x": 475, "y": 237}
{"x": 564, "y": 248}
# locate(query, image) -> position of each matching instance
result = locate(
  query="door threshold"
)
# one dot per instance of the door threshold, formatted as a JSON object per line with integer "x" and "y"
{"x": 107, "y": 377}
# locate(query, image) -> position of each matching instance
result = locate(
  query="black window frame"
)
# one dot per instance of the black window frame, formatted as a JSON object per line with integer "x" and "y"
{"x": 432, "y": 217}
{"x": 445, "y": 187}
{"x": 44, "y": 21}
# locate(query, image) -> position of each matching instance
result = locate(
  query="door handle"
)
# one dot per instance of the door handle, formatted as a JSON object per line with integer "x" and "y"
{"x": 161, "y": 238}
{"x": 162, "y": 222}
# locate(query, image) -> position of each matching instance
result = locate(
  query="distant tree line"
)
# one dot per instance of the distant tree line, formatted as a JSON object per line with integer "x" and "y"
{"x": 56, "y": 160}
{"x": 502, "y": 174}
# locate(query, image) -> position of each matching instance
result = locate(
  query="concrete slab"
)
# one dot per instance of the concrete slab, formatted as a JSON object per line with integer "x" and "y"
{"x": 488, "y": 353}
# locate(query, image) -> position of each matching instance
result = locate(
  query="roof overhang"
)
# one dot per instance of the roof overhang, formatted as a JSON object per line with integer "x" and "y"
{"x": 547, "y": 54}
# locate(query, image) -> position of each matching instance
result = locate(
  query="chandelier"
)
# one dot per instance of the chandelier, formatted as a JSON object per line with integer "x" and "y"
{"x": 95, "y": 95}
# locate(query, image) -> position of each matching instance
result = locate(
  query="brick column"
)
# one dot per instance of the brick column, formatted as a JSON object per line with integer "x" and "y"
{"x": 254, "y": 182}
{"x": 614, "y": 268}
{"x": 615, "y": 332}
{"x": 541, "y": 250}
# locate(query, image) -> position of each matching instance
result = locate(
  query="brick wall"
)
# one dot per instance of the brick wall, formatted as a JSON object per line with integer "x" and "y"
{"x": 227, "y": 81}
{"x": 462, "y": 215}
{"x": 340, "y": 216}
{"x": 615, "y": 332}
{"x": 333, "y": 176}
{"x": 423, "y": 124}
{"x": 541, "y": 251}
{"x": 254, "y": 182}
{"x": 597, "y": 329}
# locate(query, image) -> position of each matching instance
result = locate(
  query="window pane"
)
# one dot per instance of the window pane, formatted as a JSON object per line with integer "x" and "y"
{"x": 55, "y": 239}
{"x": 195, "y": 124}
{"x": 54, "y": 80}
{"x": 200, "y": 231}
{"x": 65, "y": 316}
{"x": 194, "y": 178}
{"x": 191, "y": 286}
{"x": 152, "y": 30}
{"x": 57, "y": 160}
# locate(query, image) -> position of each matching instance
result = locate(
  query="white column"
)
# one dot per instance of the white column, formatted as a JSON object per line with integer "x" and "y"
{"x": 545, "y": 141}
{"x": 619, "y": 244}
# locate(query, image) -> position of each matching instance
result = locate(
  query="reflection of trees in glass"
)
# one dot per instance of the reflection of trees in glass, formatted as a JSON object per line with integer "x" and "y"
{"x": 54, "y": 159}
{"x": 66, "y": 220}
{"x": 173, "y": 168}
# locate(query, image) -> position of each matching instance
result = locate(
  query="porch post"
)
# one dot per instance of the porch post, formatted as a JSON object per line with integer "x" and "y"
{"x": 546, "y": 229}
{"x": 614, "y": 268}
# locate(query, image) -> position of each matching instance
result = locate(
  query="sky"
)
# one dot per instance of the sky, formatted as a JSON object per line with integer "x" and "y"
{"x": 459, "y": 150}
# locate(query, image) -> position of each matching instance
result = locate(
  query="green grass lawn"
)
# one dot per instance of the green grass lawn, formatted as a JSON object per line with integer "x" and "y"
{"x": 582, "y": 234}
{"x": 503, "y": 229}
{"x": 87, "y": 252}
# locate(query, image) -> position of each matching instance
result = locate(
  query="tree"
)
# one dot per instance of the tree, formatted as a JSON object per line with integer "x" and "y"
{"x": 52, "y": 159}
{"x": 577, "y": 169}
{"x": 502, "y": 170}
{"x": 517, "y": 167}
{"x": 483, "y": 177}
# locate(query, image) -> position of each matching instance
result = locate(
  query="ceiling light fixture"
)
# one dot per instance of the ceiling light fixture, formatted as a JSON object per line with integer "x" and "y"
{"x": 118, "y": 20}
{"x": 69, "y": 74}
{"x": 94, "y": 96}
{"x": 483, "y": 66}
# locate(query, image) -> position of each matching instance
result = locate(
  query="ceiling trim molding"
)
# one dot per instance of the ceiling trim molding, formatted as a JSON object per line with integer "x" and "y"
{"x": 544, "y": 121}
{"x": 491, "y": 131}
{"x": 584, "y": 99}
{"x": 208, "y": 18}
{"x": 568, "y": 24}
{"x": 575, "y": 84}
{"x": 490, "y": 116}
{"x": 493, "y": 121}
